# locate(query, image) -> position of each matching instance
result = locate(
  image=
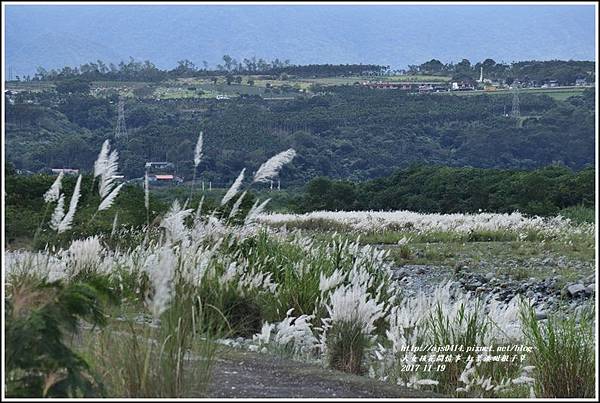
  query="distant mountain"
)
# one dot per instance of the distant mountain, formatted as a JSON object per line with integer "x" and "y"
{"x": 396, "y": 35}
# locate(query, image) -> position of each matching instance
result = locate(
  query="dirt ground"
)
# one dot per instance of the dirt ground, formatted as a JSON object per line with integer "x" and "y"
{"x": 243, "y": 374}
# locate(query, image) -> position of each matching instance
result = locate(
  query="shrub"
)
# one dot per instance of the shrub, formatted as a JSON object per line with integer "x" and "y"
{"x": 39, "y": 316}
{"x": 563, "y": 354}
{"x": 346, "y": 345}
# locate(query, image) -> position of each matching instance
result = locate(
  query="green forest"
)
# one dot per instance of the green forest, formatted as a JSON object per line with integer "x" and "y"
{"x": 344, "y": 132}
{"x": 439, "y": 189}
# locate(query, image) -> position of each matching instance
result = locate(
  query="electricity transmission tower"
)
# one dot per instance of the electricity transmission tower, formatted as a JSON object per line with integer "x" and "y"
{"x": 121, "y": 129}
{"x": 516, "y": 112}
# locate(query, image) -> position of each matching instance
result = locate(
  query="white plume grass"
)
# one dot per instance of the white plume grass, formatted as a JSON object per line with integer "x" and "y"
{"x": 109, "y": 170}
{"x": 114, "y": 226}
{"x": 270, "y": 169}
{"x": 67, "y": 221}
{"x": 234, "y": 188}
{"x": 146, "y": 191}
{"x": 100, "y": 163}
{"x": 59, "y": 213}
{"x": 198, "y": 151}
{"x": 236, "y": 205}
{"x": 110, "y": 199}
{"x": 53, "y": 193}
{"x": 255, "y": 211}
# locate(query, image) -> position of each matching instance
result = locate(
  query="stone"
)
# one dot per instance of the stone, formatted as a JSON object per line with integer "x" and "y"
{"x": 399, "y": 274}
{"x": 541, "y": 315}
{"x": 576, "y": 289}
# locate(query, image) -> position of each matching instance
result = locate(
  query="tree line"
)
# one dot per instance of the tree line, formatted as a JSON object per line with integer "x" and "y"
{"x": 147, "y": 71}
{"x": 563, "y": 71}
{"x": 442, "y": 189}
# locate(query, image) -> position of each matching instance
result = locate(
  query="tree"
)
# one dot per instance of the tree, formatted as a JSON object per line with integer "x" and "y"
{"x": 228, "y": 62}
{"x": 433, "y": 66}
{"x": 73, "y": 86}
{"x": 464, "y": 66}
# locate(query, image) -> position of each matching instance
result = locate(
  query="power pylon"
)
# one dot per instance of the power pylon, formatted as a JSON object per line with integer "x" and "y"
{"x": 516, "y": 112}
{"x": 121, "y": 129}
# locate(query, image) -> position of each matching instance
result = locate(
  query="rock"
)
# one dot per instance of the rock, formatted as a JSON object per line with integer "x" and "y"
{"x": 420, "y": 270}
{"x": 399, "y": 274}
{"x": 575, "y": 290}
{"x": 591, "y": 289}
{"x": 489, "y": 276}
{"x": 541, "y": 315}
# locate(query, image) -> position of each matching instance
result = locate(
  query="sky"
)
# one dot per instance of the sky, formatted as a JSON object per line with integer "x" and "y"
{"x": 54, "y": 36}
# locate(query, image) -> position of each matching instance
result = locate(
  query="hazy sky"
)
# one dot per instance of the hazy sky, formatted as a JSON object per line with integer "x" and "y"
{"x": 397, "y": 35}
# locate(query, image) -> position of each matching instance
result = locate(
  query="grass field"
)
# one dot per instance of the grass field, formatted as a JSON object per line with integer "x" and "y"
{"x": 268, "y": 88}
{"x": 560, "y": 94}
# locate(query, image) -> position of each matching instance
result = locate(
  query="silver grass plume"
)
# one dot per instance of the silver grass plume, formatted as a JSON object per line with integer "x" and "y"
{"x": 53, "y": 193}
{"x": 109, "y": 200}
{"x": 146, "y": 191}
{"x": 59, "y": 213}
{"x": 236, "y": 205}
{"x": 114, "y": 226}
{"x": 270, "y": 169}
{"x": 198, "y": 152}
{"x": 199, "y": 209}
{"x": 234, "y": 188}
{"x": 102, "y": 158}
{"x": 255, "y": 211}
{"x": 173, "y": 221}
{"x": 111, "y": 167}
{"x": 67, "y": 220}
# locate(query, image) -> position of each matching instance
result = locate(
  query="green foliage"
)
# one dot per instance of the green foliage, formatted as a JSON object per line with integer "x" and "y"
{"x": 26, "y": 210}
{"x": 39, "y": 316}
{"x": 579, "y": 214}
{"x": 563, "y": 354}
{"x": 349, "y": 132}
{"x": 73, "y": 86}
{"x": 437, "y": 189}
{"x": 346, "y": 345}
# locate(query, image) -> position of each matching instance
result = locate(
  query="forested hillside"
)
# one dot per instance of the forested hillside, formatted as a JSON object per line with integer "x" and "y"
{"x": 345, "y": 132}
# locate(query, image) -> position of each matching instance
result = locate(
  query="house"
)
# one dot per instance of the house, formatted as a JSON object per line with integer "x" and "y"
{"x": 162, "y": 172}
{"x": 65, "y": 171}
{"x": 462, "y": 86}
{"x": 580, "y": 82}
